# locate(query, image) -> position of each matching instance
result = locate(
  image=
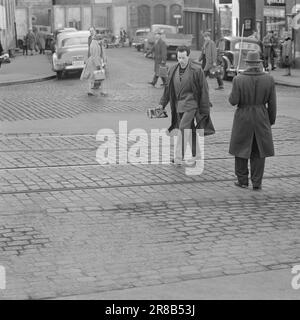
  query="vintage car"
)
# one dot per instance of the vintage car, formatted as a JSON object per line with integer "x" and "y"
{"x": 139, "y": 38}
{"x": 232, "y": 52}
{"x": 170, "y": 36}
{"x": 71, "y": 52}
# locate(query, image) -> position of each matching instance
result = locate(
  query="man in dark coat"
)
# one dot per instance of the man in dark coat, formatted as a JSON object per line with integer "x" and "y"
{"x": 1, "y": 52}
{"x": 187, "y": 91}
{"x": 160, "y": 57}
{"x": 253, "y": 92}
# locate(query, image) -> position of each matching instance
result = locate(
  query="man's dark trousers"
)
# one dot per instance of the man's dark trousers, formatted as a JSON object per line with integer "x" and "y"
{"x": 257, "y": 166}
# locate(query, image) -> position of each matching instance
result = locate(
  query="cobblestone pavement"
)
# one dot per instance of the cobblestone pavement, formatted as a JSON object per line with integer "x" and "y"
{"x": 69, "y": 226}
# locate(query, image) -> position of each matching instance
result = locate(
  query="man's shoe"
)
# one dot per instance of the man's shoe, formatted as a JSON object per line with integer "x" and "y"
{"x": 219, "y": 88}
{"x": 103, "y": 94}
{"x": 240, "y": 185}
{"x": 287, "y": 75}
{"x": 273, "y": 68}
{"x": 90, "y": 94}
{"x": 152, "y": 84}
{"x": 257, "y": 188}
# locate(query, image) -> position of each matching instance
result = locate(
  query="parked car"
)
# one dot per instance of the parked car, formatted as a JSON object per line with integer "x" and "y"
{"x": 229, "y": 49}
{"x": 139, "y": 38}
{"x": 171, "y": 37}
{"x": 71, "y": 52}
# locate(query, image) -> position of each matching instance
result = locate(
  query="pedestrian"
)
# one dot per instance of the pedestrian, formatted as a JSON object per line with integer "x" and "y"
{"x": 1, "y": 52}
{"x": 159, "y": 50}
{"x": 41, "y": 42}
{"x": 93, "y": 63}
{"x": 187, "y": 92}
{"x": 209, "y": 59}
{"x": 24, "y": 46}
{"x": 287, "y": 54}
{"x": 91, "y": 36}
{"x": 253, "y": 92}
{"x": 30, "y": 41}
{"x": 269, "y": 45}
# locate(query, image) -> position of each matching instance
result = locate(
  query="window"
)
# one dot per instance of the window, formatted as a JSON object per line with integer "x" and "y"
{"x": 247, "y": 46}
{"x": 70, "y": 42}
{"x": 144, "y": 16}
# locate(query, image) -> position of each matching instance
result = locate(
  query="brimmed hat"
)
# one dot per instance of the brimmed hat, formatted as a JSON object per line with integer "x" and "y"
{"x": 253, "y": 57}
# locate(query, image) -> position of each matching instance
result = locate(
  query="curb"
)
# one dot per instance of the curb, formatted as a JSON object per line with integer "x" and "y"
{"x": 287, "y": 84}
{"x": 11, "y": 83}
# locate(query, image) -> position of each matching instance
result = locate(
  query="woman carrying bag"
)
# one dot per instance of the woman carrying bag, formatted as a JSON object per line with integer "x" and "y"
{"x": 93, "y": 70}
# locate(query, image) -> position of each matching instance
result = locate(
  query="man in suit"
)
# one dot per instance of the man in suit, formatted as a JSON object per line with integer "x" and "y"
{"x": 1, "y": 52}
{"x": 269, "y": 45}
{"x": 160, "y": 57}
{"x": 187, "y": 91}
{"x": 253, "y": 92}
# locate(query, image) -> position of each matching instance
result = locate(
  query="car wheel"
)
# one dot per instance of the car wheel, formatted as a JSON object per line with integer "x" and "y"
{"x": 59, "y": 75}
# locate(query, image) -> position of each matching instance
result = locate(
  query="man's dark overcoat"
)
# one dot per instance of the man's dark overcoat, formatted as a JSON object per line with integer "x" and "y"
{"x": 198, "y": 83}
{"x": 160, "y": 55}
{"x": 254, "y": 94}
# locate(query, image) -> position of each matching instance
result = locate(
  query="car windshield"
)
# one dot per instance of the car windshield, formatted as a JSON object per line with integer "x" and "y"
{"x": 141, "y": 33}
{"x": 78, "y": 41}
{"x": 247, "y": 46}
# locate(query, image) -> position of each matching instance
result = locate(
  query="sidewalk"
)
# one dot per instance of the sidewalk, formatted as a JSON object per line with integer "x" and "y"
{"x": 278, "y": 74}
{"x": 26, "y": 69}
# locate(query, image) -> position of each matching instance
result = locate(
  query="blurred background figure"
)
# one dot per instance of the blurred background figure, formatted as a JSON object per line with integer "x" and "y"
{"x": 287, "y": 54}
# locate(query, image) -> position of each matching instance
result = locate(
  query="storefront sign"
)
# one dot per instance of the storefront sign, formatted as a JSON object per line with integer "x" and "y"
{"x": 274, "y": 2}
{"x": 274, "y": 12}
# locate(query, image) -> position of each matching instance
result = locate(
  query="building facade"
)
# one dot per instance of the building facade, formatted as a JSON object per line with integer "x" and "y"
{"x": 7, "y": 24}
{"x": 33, "y": 13}
{"x": 198, "y": 18}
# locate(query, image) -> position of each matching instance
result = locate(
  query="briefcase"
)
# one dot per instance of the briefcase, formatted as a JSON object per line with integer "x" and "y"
{"x": 163, "y": 71}
{"x": 99, "y": 74}
{"x": 157, "y": 112}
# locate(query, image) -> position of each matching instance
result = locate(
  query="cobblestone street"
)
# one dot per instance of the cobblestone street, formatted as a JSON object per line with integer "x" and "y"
{"x": 71, "y": 227}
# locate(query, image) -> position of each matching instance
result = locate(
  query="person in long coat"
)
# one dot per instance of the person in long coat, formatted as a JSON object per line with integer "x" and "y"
{"x": 30, "y": 41}
{"x": 209, "y": 58}
{"x": 160, "y": 57}
{"x": 287, "y": 54}
{"x": 41, "y": 42}
{"x": 93, "y": 63}
{"x": 187, "y": 92}
{"x": 1, "y": 52}
{"x": 254, "y": 94}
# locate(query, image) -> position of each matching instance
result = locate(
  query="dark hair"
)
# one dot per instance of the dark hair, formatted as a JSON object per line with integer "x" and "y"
{"x": 184, "y": 48}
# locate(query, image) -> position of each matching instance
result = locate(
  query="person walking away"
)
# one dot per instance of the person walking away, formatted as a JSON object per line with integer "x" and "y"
{"x": 209, "y": 58}
{"x": 269, "y": 45}
{"x": 254, "y": 94}
{"x": 41, "y": 42}
{"x": 30, "y": 40}
{"x": 187, "y": 92}
{"x": 93, "y": 63}
{"x": 287, "y": 54}
{"x": 160, "y": 57}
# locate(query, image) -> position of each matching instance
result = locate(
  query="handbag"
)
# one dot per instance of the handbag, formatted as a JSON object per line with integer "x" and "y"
{"x": 99, "y": 74}
{"x": 163, "y": 71}
{"x": 157, "y": 112}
